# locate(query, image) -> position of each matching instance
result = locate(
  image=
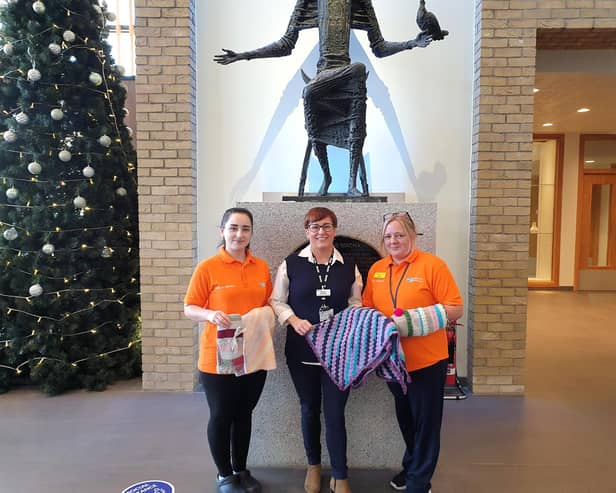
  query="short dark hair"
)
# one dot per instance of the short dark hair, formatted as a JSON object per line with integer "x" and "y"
{"x": 318, "y": 213}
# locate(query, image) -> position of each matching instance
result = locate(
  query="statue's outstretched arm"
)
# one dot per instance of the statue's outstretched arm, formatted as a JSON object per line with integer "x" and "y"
{"x": 382, "y": 48}
{"x": 283, "y": 47}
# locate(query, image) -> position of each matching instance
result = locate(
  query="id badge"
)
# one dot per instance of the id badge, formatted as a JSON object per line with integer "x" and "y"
{"x": 324, "y": 292}
{"x": 325, "y": 313}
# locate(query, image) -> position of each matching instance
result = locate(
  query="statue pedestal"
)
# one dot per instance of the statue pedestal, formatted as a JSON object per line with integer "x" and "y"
{"x": 374, "y": 440}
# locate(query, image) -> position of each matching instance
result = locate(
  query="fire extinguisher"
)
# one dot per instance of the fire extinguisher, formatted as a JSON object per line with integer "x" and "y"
{"x": 451, "y": 346}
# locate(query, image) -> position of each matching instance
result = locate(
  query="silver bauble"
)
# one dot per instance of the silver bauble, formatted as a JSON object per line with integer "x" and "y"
{"x": 9, "y": 136}
{"x": 130, "y": 131}
{"x": 96, "y": 78}
{"x": 48, "y": 248}
{"x": 110, "y": 16}
{"x": 22, "y": 118}
{"x": 34, "y": 168}
{"x": 68, "y": 36}
{"x": 79, "y": 202}
{"x": 55, "y": 48}
{"x": 12, "y": 193}
{"x": 34, "y": 75}
{"x": 10, "y": 234}
{"x": 35, "y": 290}
{"x": 57, "y": 114}
{"x": 106, "y": 252}
{"x": 120, "y": 69}
{"x": 104, "y": 140}
{"x": 65, "y": 155}
{"x": 8, "y": 49}
{"x": 88, "y": 171}
{"x": 121, "y": 192}
{"x": 38, "y": 7}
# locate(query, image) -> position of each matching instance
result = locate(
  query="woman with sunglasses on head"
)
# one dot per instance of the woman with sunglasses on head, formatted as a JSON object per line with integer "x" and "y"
{"x": 408, "y": 278}
{"x": 310, "y": 287}
{"x": 230, "y": 282}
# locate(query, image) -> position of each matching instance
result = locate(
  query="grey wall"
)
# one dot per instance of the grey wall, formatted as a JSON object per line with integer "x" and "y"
{"x": 373, "y": 436}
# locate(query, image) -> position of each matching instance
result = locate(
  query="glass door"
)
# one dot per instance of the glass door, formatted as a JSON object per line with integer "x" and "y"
{"x": 544, "y": 231}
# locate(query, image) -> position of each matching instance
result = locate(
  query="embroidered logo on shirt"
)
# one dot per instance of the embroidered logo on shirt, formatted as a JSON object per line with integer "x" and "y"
{"x": 415, "y": 279}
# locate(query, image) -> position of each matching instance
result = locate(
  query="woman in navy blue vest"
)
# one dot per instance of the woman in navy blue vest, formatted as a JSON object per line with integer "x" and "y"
{"x": 311, "y": 286}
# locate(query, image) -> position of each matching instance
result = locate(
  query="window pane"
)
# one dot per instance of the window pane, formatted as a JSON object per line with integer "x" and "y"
{"x": 122, "y": 49}
{"x": 600, "y": 154}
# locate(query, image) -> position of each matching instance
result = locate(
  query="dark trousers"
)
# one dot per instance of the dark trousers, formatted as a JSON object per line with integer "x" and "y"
{"x": 311, "y": 383}
{"x": 420, "y": 413}
{"x": 231, "y": 401}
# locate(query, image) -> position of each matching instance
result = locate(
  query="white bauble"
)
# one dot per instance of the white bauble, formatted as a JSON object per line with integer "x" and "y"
{"x": 12, "y": 193}
{"x": 88, "y": 171}
{"x": 98, "y": 9}
{"x": 110, "y": 16}
{"x": 126, "y": 111}
{"x": 8, "y": 49}
{"x": 104, "y": 140}
{"x": 57, "y": 114}
{"x": 121, "y": 192}
{"x": 34, "y": 75}
{"x": 106, "y": 252}
{"x": 120, "y": 69}
{"x": 9, "y": 136}
{"x": 10, "y": 234}
{"x": 96, "y": 78}
{"x": 48, "y": 248}
{"x": 130, "y": 131}
{"x": 68, "y": 36}
{"x": 55, "y": 48}
{"x": 65, "y": 155}
{"x": 34, "y": 168}
{"x": 79, "y": 202}
{"x": 22, "y": 118}
{"x": 38, "y": 7}
{"x": 35, "y": 290}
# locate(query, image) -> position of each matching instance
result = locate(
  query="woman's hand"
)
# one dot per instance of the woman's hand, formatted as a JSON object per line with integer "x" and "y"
{"x": 300, "y": 325}
{"x": 220, "y": 318}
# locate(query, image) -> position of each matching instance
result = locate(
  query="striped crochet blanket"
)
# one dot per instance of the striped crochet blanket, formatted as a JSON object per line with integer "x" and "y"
{"x": 354, "y": 343}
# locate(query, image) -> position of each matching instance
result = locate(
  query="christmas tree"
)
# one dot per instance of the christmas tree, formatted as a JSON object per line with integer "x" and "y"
{"x": 69, "y": 265}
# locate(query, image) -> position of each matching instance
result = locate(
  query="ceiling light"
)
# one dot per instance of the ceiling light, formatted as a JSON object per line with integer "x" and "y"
{"x": 589, "y": 161}
{"x": 548, "y": 124}
{"x": 583, "y": 110}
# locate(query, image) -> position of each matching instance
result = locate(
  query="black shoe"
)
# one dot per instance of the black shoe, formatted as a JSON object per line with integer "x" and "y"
{"x": 398, "y": 482}
{"x": 250, "y": 484}
{"x": 230, "y": 484}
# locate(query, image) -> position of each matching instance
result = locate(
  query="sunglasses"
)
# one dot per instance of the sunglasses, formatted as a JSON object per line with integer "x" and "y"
{"x": 389, "y": 215}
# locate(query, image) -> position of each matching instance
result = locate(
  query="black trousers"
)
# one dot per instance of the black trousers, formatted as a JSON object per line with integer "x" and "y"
{"x": 231, "y": 401}
{"x": 420, "y": 414}
{"x": 312, "y": 383}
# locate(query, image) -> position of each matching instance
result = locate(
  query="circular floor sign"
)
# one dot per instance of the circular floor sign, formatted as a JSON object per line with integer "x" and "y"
{"x": 150, "y": 486}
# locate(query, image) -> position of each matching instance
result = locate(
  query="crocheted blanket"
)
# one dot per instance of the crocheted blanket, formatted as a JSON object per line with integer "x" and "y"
{"x": 356, "y": 342}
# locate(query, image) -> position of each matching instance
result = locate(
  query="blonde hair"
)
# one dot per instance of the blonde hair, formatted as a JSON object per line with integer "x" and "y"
{"x": 404, "y": 220}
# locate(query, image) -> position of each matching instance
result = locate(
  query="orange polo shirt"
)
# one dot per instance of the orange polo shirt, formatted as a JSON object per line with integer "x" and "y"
{"x": 224, "y": 283}
{"x": 427, "y": 281}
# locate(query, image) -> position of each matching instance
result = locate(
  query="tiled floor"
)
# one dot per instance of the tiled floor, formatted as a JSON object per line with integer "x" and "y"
{"x": 560, "y": 438}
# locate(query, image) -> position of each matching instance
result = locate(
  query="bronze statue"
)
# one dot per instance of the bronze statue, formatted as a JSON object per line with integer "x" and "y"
{"x": 335, "y": 99}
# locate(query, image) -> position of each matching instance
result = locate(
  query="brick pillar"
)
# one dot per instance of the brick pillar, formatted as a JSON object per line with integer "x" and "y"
{"x": 166, "y": 146}
{"x": 505, "y": 53}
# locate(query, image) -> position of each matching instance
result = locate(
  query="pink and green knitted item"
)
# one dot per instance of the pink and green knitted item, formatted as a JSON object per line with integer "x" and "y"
{"x": 420, "y": 321}
{"x": 356, "y": 342}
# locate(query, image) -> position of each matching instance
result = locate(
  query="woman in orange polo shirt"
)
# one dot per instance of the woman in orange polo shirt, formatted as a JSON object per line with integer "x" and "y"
{"x": 230, "y": 282}
{"x": 408, "y": 278}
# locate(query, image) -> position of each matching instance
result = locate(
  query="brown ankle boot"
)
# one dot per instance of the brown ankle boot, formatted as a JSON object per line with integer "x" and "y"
{"x": 312, "y": 484}
{"x": 339, "y": 486}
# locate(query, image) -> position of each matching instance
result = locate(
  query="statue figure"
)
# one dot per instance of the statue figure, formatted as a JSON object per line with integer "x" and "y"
{"x": 335, "y": 99}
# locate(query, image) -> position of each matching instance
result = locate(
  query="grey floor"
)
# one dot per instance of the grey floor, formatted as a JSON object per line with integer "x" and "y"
{"x": 560, "y": 437}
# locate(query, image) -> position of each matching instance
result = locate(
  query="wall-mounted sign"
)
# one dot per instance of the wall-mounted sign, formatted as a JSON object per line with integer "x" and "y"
{"x": 150, "y": 486}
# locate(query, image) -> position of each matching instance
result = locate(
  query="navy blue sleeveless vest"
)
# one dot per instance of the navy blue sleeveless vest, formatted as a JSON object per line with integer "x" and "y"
{"x": 303, "y": 283}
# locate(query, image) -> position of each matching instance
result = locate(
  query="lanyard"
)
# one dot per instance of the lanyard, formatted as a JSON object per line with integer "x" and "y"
{"x": 323, "y": 281}
{"x": 394, "y": 296}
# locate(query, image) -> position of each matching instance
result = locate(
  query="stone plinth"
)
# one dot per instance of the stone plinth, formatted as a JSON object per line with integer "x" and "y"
{"x": 373, "y": 436}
